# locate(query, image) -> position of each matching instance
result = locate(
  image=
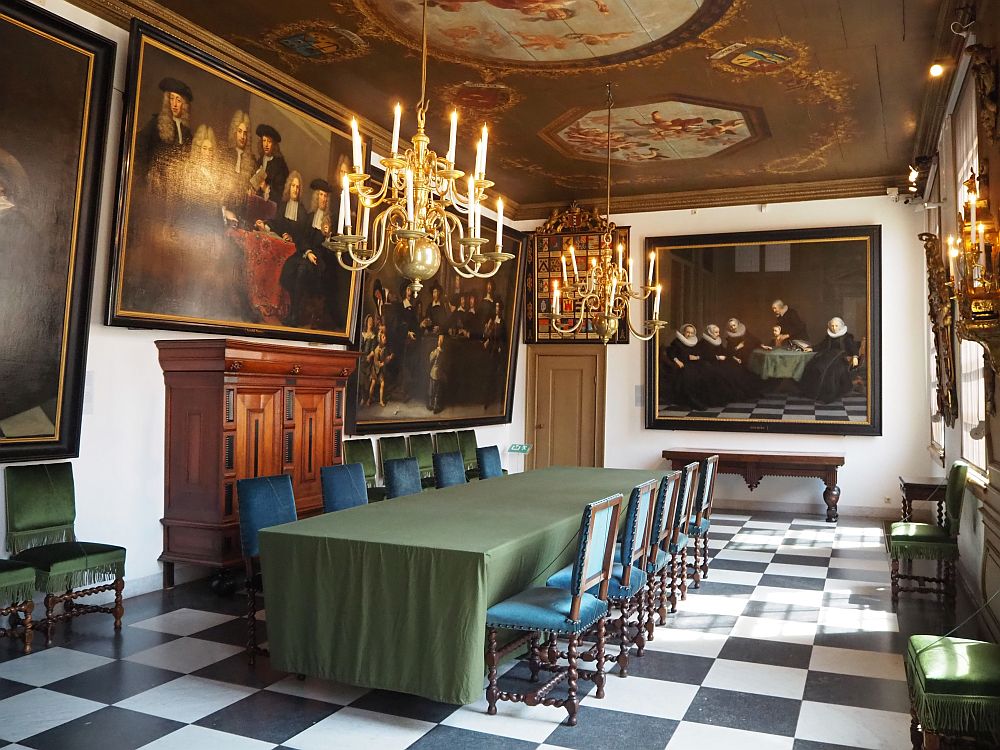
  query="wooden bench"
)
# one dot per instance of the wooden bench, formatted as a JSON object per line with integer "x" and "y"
{"x": 753, "y": 466}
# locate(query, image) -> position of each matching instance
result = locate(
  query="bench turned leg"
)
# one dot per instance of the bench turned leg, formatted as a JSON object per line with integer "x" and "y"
{"x": 830, "y": 496}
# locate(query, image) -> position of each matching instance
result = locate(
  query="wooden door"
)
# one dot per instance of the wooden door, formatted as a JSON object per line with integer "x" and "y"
{"x": 564, "y": 418}
{"x": 308, "y": 444}
{"x": 258, "y": 432}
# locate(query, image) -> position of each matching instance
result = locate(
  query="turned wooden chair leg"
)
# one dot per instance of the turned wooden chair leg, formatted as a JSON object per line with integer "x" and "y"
{"x": 50, "y": 604}
{"x": 640, "y": 630}
{"x": 894, "y": 578}
{"x": 704, "y": 556}
{"x": 695, "y": 567}
{"x": 492, "y": 692}
{"x": 684, "y": 568}
{"x": 651, "y": 607}
{"x": 663, "y": 596}
{"x": 119, "y": 608}
{"x": 916, "y": 736}
{"x": 29, "y": 632}
{"x": 572, "y": 701}
{"x": 600, "y": 676}
{"x": 622, "y": 625}
{"x": 673, "y": 583}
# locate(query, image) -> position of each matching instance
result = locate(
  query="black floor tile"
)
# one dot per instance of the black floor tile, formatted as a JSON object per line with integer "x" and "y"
{"x": 237, "y": 670}
{"x": 800, "y": 583}
{"x": 790, "y": 559}
{"x": 452, "y": 738}
{"x": 713, "y": 588}
{"x": 402, "y": 704}
{"x": 767, "y": 652}
{"x": 599, "y": 728}
{"x": 780, "y": 611}
{"x": 660, "y": 665}
{"x": 110, "y": 728}
{"x": 9, "y": 688}
{"x": 746, "y": 711}
{"x": 845, "y": 574}
{"x": 95, "y": 635}
{"x": 889, "y": 643}
{"x": 863, "y": 692}
{"x": 233, "y": 632}
{"x": 269, "y": 716}
{"x": 809, "y": 745}
{"x": 113, "y": 682}
{"x": 741, "y": 565}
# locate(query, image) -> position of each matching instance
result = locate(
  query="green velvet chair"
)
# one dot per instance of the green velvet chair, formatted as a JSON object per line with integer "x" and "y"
{"x": 446, "y": 442}
{"x": 17, "y": 586}
{"x": 390, "y": 448}
{"x": 954, "y": 687}
{"x": 422, "y": 449}
{"x": 928, "y": 541}
{"x": 360, "y": 451}
{"x": 467, "y": 445}
{"x": 41, "y": 511}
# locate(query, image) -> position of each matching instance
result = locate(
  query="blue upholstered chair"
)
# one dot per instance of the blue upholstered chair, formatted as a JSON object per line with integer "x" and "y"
{"x": 700, "y": 520}
{"x": 568, "y": 612}
{"x": 360, "y": 451}
{"x": 449, "y": 469}
{"x": 263, "y": 502}
{"x": 446, "y": 442}
{"x": 41, "y": 516}
{"x": 422, "y": 449}
{"x": 468, "y": 445}
{"x": 488, "y": 458}
{"x": 402, "y": 477}
{"x": 661, "y": 534}
{"x": 343, "y": 487}
{"x": 627, "y": 587}
{"x": 678, "y": 545}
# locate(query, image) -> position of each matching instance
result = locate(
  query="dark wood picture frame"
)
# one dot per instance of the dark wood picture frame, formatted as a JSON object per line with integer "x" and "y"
{"x": 52, "y": 192}
{"x": 509, "y": 285}
{"x": 182, "y": 259}
{"x": 823, "y": 272}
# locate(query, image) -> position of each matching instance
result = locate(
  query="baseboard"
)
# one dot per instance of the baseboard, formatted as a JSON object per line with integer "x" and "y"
{"x": 808, "y": 509}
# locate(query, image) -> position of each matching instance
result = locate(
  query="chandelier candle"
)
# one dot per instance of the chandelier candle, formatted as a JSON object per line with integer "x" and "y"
{"x": 397, "y": 113}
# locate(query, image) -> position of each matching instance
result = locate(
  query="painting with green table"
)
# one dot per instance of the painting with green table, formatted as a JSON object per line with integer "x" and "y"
{"x": 394, "y": 595}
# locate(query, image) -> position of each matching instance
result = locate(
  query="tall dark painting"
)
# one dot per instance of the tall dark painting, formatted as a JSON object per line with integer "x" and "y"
{"x": 769, "y": 332}
{"x": 227, "y": 191}
{"x": 54, "y": 98}
{"x": 444, "y": 358}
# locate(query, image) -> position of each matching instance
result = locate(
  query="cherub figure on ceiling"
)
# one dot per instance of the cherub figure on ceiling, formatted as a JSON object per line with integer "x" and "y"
{"x": 534, "y": 10}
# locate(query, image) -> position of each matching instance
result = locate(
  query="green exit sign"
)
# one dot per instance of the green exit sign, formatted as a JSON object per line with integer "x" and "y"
{"x": 519, "y": 448}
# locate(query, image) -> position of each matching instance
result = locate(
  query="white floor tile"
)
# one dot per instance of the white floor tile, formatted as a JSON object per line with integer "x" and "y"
{"x": 194, "y": 738}
{"x": 859, "y": 663}
{"x": 514, "y": 720}
{"x": 857, "y": 620}
{"x": 690, "y": 642}
{"x": 35, "y": 711}
{"x": 804, "y": 571}
{"x": 49, "y": 665}
{"x": 763, "y": 679}
{"x": 771, "y": 629}
{"x": 853, "y": 727}
{"x": 724, "y": 528}
{"x": 855, "y": 543}
{"x": 711, "y": 604}
{"x": 187, "y": 698}
{"x": 641, "y": 695}
{"x": 792, "y": 549}
{"x": 714, "y": 543}
{"x": 779, "y": 595}
{"x": 864, "y": 588}
{"x": 813, "y": 522}
{"x": 738, "y": 554}
{"x": 716, "y": 516}
{"x": 183, "y": 621}
{"x": 783, "y": 526}
{"x": 811, "y": 534}
{"x": 357, "y": 729}
{"x": 692, "y": 736}
{"x": 739, "y": 577}
{"x": 318, "y": 690}
{"x": 847, "y": 564}
{"x": 185, "y": 654}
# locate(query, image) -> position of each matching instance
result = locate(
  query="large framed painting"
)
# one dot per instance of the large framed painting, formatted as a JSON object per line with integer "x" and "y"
{"x": 225, "y": 197}
{"x": 769, "y": 332}
{"x": 55, "y": 89}
{"x": 444, "y": 358}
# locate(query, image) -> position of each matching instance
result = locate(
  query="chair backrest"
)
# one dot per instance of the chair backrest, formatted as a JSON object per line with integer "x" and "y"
{"x": 449, "y": 469}
{"x": 468, "y": 445}
{"x": 391, "y": 447}
{"x": 263, "y": 502}
{"x": 446, "y": 442}
{"x": 595, "y": 553}
{"x": 422, "y": 449}
{"x": 685, "y": 504}
{"x": 958, "y": 475}
{"x": 343, "y": 487}
{"x": 360, "y": 451}
{"x": 488, "y": 460}
{"x": 41, "y": 505}
{"x": 635, "y": 542}
{"x": 706, "y": 488}
{"x": 664, "y": 512}
{"x": 402, "y": 477}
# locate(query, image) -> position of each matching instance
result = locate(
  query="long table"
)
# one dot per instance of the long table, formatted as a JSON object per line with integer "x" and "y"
{"x": 393, "y": 595}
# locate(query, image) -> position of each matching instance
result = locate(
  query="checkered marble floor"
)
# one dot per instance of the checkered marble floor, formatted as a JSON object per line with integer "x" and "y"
{"x": 781, "y": 407}
{"x": 791, "y": 644}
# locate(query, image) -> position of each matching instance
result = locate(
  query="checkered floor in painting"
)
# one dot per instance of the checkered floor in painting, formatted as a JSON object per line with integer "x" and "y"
{"x": 791, "y": 644}
{"x": 781, "y": 407}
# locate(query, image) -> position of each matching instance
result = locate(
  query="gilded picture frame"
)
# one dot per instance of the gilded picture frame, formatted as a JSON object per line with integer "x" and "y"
{"x": 226, "y": 192}
{"x": 51, "y": 159}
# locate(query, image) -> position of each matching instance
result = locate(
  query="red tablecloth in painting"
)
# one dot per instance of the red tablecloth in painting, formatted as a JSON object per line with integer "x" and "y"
{"x": 264, "y": 255}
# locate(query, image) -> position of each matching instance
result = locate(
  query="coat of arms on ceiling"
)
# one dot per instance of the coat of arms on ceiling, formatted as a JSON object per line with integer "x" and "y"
{"x": 308, "y": 41}
{"x": 755, "y": 58}
{"x": 480, "y": 99}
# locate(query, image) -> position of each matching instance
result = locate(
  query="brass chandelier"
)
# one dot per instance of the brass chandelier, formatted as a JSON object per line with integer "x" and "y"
{"x": 415, "y": 226}
{"x": 606, "y": 289}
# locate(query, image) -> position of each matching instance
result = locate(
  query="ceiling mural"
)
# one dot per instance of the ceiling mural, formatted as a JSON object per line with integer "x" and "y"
{"x": 658, "y": 131}
{"x": 801, "y": 92}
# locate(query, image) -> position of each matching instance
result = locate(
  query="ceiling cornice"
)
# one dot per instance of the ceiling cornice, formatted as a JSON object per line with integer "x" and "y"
{"x": 792, "y": 192}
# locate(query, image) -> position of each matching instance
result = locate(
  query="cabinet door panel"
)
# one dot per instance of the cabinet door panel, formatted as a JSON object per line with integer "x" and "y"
{"x": 312, "y": 444}
{"x": 258, "y": 430}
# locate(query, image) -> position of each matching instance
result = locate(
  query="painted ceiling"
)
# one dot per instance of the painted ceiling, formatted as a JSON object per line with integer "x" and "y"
{"x": 709, "y": 94}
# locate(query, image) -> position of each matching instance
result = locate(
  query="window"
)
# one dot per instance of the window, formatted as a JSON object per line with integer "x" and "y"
{"x": 972, "y": 397}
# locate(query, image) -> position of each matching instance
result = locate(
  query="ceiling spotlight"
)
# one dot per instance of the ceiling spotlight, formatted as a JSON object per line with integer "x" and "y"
{"x": 937, "y": 69}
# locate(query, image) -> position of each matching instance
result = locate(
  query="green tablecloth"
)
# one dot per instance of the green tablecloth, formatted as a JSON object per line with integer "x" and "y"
{"x": 394, "y": 595}
{"x": 779, "y": 363}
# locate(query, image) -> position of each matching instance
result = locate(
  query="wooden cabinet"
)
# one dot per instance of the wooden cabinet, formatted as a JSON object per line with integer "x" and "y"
{"x": 236, "y": 409}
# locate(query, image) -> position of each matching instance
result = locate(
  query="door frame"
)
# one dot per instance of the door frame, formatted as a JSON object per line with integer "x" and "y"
{"x": 600, "y": 353}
